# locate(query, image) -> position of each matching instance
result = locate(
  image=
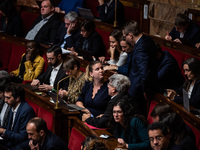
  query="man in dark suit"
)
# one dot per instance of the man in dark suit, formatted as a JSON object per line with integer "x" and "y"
{"x": 54, "y": 73}
{"x": 142, "y": 70}
{"x": 45, "y": 26}
{"x": 117, "y": 88}
{"x": 68, "y": 32}
{"x": 21, "y": 112}
{"x": 185, "y": 31}
{"x": 41, "y": 138}
{"x": 106, "y": 10}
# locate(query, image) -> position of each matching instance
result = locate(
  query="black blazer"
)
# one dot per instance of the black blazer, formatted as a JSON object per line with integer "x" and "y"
{"x": 44, "y": 78}
{"x": 48, "y": 31}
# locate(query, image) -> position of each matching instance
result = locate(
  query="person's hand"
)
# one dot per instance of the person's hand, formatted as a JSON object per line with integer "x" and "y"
{"x": 102, "y": 59}
{"x": 168, "y": 37}
{"x": 85, "y": 116}
{"x": 11, "y": 74}
{"x": 2, "y": 130}
{"x": 122, "y": 142}
{"x": 99, "y": 116}
{"x": 45, "y": 87}
{"x": 113, "y": 67}
{"x": 63, "y": 93}
{"x": 171, "y": 94}
{"x": 32, "y": 146}
{"x": 112, "y": 50}
{"x": 197, "y": 45}
{"x": 35, "y": 82}
{"x": 74, "y": 53}
{"x": 177, "y": 41}
{"x": 101, "y": 2}
{"x": 71, "y": 28}
{"x": 57, "y": 10}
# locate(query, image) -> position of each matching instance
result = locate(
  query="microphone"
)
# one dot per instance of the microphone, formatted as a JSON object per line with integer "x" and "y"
{"x": 57, "y": 107}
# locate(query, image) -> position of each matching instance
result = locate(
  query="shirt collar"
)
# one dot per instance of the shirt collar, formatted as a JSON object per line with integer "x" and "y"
{"x": 47, "y": 18}
{"x": 57, "y": 67}
{"x": 14, "y": 111}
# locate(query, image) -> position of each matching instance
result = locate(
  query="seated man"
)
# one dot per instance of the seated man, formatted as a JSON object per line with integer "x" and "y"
{"x": 66, "y": 6}
{"x": 106, "y": 10}
{"x": 54, "y": 73}
{"x": 68, "y": 32}
{"x": 45, "y": 26}
{"x": 185, "y": 31}
{"x": 118, "y": 89}
{"x": 160, "y": 138}
{"x": 31, "y": 64}
{"x": 4, "y": 107}
{"x": 21, "y": 112}
{"x": 40, "y": 137}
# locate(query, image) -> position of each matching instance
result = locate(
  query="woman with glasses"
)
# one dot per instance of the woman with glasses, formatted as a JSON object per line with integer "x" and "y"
{"x": 71, "y": 66}
{"x": 191, "y": 69}
{"x": 94, "y": 96}
{"x": 128, "y": 127}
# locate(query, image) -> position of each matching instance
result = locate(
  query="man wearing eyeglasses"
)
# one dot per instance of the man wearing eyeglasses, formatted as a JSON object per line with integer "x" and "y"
{"x": 54, "y": 73}
{"x": 159, "y": 137}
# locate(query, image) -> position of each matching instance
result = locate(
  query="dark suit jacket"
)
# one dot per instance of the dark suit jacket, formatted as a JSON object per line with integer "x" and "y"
{"x": 169, "y": 74}
{"x": 195, "y": 96}
{"x": 143, "y": 67}
{"x": 101, "y": 122}
{"x": 109, "y": 17}
{"x": 51, "y": 142}
{"x": 191, "y": 36}
{"x": 60, "y": 34}
{"x": 96, "y": 46}
{"x": 14, "y": 25}
{"x": 6, "y": 115}
{"x": 44, "y": 78}
{"x": 18, "y": 134}
{"x": 48, "y": 31}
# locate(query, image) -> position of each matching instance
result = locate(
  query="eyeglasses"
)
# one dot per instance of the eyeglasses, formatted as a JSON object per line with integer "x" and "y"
{"x": 157, "y": 138}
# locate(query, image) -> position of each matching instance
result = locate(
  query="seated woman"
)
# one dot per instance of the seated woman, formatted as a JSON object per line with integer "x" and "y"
{"x": 125, "y": 50}
{"x": 117, "y": 57}
{"x": 90, "y": 42}
{"x": 192, "y": 84}
{"x": 128, "y": 127}
{"x": 94, "y": 96}
{"x": 71, "y": 66}
{"x": 11, "y": 23}
{"x": 31, "y": 64}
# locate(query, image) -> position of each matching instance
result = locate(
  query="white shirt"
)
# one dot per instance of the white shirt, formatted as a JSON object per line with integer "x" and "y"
{"x": 190, "y": 90}
{"x": 121, "y": 61}
{"x": 14, "y": 114}
{"x": 33, "y": 32}
{"x": 54, "y": 73}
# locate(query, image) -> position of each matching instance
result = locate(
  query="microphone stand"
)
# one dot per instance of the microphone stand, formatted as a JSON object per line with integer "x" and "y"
{"x": 57, "y": 107}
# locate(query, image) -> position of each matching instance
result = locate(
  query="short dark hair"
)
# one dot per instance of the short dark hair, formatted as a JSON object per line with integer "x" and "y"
{"x": 70, "y": 62}
{"x": 88, "y": 25}
{"x": 56, "y": 49}
{"x": 87, "y": 140}
{"x": 160, "y": 109}
{"x": 4, "y": 79}
{"x": 16, "y": 90}
{"x": 132, "y": 27}
{"x": 39, "y": 123}
{"x": 181, "y": 20}
{"x": 96, "y": 145}
{"x": 158, "y": 125}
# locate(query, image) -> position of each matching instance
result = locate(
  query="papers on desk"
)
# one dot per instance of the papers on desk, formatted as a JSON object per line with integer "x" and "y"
{"x": 64, "y": 51}
{"x": 186, "y": 102}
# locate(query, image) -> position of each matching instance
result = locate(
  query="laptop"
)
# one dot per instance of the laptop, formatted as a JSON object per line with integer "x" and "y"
{"x": 71, "y": 107}
{"x": 86, "y": 13}
{"x": 186, "y": 101}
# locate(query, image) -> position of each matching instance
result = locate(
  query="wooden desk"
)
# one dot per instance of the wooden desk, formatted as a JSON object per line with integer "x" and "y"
{"x": 60, "y": 116}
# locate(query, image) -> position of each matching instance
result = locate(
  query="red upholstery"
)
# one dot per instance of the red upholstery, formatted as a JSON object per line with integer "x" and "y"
{"x": 44, "y": 114}
{"x": 27, "y": 20}
{"x": 5, "y": 48}
{"x": 105, "y": 35}
{"x": 197, "y": 135}
{"x": 131, "y": 13}
{"x": 92, "y": 4}
{"x": 17, "y": 51}
{"x": 152, "y": 105}
{"x": 45, "y": 60}
{"x": 75, "y": 140}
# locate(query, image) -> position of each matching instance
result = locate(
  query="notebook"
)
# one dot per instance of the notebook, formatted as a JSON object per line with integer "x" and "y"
{"x": 86, "y": 13}
{"x": 186, "y": 102}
